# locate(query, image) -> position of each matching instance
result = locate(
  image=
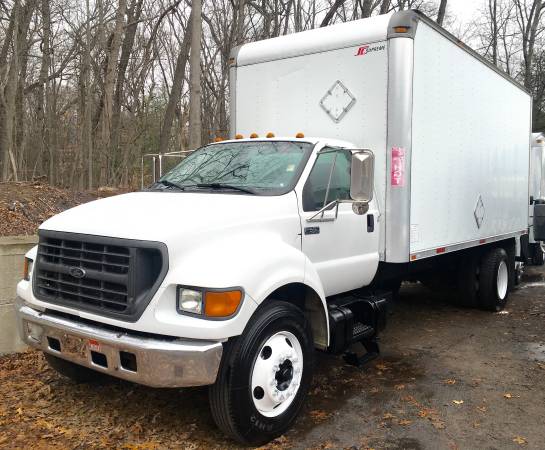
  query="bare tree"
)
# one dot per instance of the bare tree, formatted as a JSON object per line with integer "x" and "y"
{"x": 195, "y": 126}
{"x": 442, "y": 11}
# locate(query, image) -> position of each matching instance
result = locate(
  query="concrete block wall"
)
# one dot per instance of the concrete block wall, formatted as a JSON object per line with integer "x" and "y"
{"x": 12, "y": 252}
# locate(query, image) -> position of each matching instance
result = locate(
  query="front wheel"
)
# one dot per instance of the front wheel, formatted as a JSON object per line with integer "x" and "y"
{"x": 264, "y": 376}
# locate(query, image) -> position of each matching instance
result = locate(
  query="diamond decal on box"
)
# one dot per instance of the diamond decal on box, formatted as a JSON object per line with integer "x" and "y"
{"x": 479, "y": 212}
{"x": 337, "y": 101}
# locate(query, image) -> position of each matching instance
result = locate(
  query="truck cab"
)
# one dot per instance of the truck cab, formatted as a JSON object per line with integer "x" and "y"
{"x": 157, "y": 286}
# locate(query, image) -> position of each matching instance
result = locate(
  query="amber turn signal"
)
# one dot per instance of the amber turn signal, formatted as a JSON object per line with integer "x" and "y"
{"x": 27, "y": 268}
{"x": 401, "y": 29}
{"x": 221, "y": 303}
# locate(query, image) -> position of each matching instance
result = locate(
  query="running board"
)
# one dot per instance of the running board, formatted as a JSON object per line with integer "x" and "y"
{"x": 355, "y": 320}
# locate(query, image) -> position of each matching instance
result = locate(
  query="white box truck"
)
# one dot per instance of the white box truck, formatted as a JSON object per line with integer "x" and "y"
{"x": 534, "y": 251}
{"x": 253, "y": 252}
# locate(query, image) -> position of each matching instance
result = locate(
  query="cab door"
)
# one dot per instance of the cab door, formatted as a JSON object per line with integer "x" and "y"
{"x": 341, "y": 245}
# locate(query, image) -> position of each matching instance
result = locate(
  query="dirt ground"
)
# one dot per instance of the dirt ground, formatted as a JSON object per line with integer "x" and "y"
{"x": 448, "y": 378}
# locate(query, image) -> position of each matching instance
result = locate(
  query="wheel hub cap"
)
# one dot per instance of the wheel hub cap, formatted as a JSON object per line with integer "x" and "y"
{"x": 277, "y": 373}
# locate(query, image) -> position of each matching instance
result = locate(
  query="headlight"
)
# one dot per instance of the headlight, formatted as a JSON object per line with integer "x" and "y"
{"x": 190, "y": 300}
{"x": 27, "y": 268}
{"x": 213, "y": 303}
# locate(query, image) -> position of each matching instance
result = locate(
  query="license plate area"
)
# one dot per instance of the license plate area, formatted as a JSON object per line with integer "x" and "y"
{"x": 74, "y": 346}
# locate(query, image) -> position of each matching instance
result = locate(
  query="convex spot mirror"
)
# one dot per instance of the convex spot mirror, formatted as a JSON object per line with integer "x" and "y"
{"x": 361, "y": 176}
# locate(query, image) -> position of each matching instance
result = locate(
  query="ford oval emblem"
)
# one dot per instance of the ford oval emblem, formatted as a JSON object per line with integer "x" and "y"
{"x": 76, "y": 272}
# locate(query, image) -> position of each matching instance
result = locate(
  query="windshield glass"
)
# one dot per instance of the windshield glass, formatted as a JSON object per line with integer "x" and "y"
{"x": 262, "y": 167}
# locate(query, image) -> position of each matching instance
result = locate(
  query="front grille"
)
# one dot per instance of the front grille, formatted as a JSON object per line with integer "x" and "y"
{"x": 113, "y": 277}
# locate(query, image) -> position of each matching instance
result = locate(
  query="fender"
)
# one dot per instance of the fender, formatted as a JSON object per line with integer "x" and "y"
{"x": 260, "y": 262}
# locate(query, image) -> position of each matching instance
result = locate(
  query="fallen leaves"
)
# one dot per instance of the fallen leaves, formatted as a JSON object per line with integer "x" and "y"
{"x": 449, "y": 381}
{"x": 24, "y": 206}
{"x": 520, "y": 440}
{"x": 404, "y": 422}
{"x": 508, "y": 395}
{"x": 458, "y": 402}
{"x": 319, "y": 415}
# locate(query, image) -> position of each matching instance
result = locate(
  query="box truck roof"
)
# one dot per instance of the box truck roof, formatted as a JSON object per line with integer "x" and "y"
{"x": 345, "y": 35}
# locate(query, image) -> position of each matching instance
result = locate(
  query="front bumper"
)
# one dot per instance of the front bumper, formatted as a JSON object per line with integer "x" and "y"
{"x": 151, "y": 361}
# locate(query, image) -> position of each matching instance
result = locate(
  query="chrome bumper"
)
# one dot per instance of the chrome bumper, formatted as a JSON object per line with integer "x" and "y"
{"x": 144, "y": 360}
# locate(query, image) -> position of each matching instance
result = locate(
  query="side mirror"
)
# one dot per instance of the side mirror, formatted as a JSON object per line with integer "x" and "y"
{"x": 361, "y": 176}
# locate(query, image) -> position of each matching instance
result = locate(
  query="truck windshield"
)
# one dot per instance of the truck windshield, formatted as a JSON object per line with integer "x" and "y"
{"x": 260, "y": 167}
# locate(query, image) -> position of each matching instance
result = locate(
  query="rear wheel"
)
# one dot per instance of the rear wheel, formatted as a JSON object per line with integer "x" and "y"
{"x": 538, "y": 254}
{"x": 264, "y": 376}
{"x": 494, "y": 280}
{"x": 77, "y": 373}
{"x": 468, "y": 282}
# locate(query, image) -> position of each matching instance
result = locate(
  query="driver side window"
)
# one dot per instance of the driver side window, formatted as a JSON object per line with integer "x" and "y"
{"x": 314, "y": 192}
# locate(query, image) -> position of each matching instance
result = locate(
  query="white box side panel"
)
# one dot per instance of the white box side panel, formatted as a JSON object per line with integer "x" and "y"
{"x": 283, "y": 97}
{"x": 470, "y": 140}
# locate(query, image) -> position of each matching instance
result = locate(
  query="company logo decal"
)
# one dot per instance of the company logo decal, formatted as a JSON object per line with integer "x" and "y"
{"x": 365, "y": 49}
{"x": 76, "y": 272}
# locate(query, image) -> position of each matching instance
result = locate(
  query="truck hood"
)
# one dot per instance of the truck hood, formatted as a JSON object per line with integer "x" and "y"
{"x": 169, "y": 216}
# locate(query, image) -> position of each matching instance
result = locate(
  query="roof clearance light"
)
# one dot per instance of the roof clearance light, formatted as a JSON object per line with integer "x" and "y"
{"x": 254, "y": 135}
{"x": 300, "y": 135}
{"x": 239, "y": 136}
{"x": 401, "y": 29}
{"x": 218, "y": 139}
{"x": 270, "y": 135}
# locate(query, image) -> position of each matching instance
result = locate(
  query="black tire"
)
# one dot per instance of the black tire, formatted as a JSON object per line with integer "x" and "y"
{"x": 231, "y": 397}
{"x": 468, "y": 282}
{"x": 489, "y": 296}
{"x": 77, "y": 373}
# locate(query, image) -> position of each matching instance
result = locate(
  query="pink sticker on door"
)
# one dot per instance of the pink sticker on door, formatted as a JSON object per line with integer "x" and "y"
{"x": 397, "y": 168}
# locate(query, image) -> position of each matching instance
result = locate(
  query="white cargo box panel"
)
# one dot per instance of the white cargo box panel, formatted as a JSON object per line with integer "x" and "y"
{"x": 470, "y": 148}
{"x": 450, "y": 133}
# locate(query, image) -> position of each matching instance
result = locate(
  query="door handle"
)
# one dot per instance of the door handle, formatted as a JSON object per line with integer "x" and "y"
{"x": 370, "y": 223}
{"x": 312, "y": 230}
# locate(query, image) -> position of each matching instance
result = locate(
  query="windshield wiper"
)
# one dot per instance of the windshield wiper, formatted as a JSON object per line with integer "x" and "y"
{"x": 224, "y": 186}
{"x": 171, "y": 184}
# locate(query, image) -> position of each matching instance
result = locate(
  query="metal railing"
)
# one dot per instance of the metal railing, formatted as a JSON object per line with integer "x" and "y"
{"x": 160, "y": 163}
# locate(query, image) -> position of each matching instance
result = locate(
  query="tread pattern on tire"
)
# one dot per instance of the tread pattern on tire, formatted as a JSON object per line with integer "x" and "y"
{"x": 221, "y": 404}
{"x": 488, "y": 298}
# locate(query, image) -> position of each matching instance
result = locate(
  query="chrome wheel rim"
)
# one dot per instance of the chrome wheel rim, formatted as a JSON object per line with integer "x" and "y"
{"x": 502, "y": 280}
{"x": 276, "y": 375}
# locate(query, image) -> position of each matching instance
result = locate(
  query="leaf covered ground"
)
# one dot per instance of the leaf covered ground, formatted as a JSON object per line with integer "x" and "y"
{"x": 448, "y": 378}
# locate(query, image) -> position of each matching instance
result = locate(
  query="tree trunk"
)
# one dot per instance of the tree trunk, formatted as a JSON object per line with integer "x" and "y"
{"x": 442, "y": 11}
{"x": 331, "y": 12}
{"x": 109, "y": 86}
{"x": 176, "y": 90}
{"x": 133, "y": 16}
{"x": 195, "y": 125}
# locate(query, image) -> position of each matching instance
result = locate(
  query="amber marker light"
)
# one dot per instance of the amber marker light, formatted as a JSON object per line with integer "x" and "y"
{"x": 401, "y": 29}
{"x": 218, "y": 139}
{"x": 300, "y": 135}
{"x": 239, "y": 136}
{"x": 27, "y": 268}
{"x": 221, "y": 303}
{"x": 270, "y": 135}
{"x": 254, "y": 135}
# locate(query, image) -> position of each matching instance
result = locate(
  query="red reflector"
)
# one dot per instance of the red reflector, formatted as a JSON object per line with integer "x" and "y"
{"x": 413, "y": 257}
{"x": 440, "y": 250}
{"x": 482, "y": 241}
